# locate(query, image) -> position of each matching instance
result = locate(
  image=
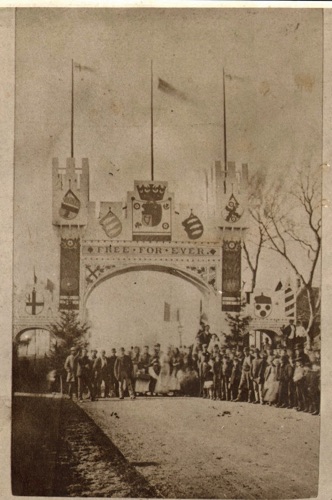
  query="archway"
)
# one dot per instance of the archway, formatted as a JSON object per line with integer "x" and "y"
{"x": 33, "y": 342}
{"x": 257, "y": 337}
{"x": 144, "y": 305}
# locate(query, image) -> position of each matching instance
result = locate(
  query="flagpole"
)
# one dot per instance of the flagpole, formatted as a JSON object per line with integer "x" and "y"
{"x": 225, "y": 132}
{"x": 152, "y": 159}
{"x": 72, "y": 110}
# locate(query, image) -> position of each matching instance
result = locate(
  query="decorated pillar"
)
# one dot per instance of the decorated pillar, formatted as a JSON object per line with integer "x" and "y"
{"x": 70, "y": 202}
{"x": 232, "y": 195}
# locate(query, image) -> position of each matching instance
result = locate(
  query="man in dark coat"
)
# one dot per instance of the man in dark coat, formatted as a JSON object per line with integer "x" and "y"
{"x": 114, "y": 389}
{"x": 255, "y": 373}
{"x": 246, "y": 377}
{"x": 95, "y": 368}
{"x": 235, "y": 378}
{"x": 84, "y": 375}
{"x": 289, "y": 334}
{"x": 145, "y": 359}
{"x": 284, "y": 376}
{"x": 123, "y": 369}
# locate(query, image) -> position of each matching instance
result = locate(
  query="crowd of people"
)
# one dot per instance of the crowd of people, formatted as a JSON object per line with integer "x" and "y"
{"x": 284, "y": 375}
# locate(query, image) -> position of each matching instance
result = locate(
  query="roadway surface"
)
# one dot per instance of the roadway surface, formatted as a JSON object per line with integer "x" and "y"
{"x": 195, "y": 448}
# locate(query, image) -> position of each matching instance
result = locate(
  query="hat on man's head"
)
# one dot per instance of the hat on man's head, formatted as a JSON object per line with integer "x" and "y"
{"x": 73, "y": 349}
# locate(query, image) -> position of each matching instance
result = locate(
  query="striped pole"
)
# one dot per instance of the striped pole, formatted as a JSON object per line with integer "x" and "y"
{"x": 290, "y": 303}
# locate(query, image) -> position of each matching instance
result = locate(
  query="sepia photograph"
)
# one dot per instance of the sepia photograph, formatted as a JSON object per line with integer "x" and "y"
{"x": 167, "y": 266}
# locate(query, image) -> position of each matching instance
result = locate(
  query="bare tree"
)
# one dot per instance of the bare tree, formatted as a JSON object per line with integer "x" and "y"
{"x": 252, "y": 251}
{"x": 292, "y": 228}
{"x": 255, "y": 237}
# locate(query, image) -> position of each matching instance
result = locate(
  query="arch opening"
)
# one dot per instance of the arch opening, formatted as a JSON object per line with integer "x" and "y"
{"x": 140, "y": 307}
{"x": 195, "y": 280}
{"x": 33, "y": 342}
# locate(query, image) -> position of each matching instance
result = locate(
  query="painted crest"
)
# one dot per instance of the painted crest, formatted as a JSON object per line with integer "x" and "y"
{"x": 263, "y": 306}
{"x": 111, "y": 224}
{"x": 233, "y": 211}
{"x": 193, "y": 226}
{"x": 34, "y": 303}
{"x": 151, "y": 213}
{"x": 70, "y": 206}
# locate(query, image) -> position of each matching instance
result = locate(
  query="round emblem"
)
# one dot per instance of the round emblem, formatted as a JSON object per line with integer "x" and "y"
{"x": 69, "y": 284}
{"x": 231, "y": 245}
{"x": 165, "y": 225}
{"x": 34, "y": 302}
{"x": 137, "y": 206}
{"x": 70, "y": 243}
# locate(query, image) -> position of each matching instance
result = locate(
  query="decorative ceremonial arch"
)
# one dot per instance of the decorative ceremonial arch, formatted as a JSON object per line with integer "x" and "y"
{"x": 149, "y": 231}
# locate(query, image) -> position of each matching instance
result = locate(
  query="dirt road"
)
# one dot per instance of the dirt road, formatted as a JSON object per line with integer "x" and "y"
{"x": 194, "y": 448}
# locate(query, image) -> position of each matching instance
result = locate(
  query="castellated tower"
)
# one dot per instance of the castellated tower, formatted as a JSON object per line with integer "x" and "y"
{"x": 70, "y": 212}
{"x": 229, "y": 202}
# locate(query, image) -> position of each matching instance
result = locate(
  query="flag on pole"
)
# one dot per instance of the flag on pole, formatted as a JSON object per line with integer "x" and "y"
{"x": 167, "y": 88}
{"x": 80, "y": 67}
{"x": 34, "y": 276}
{"x": 167, "y": 311}
{"x": 170, "y": 313}
{"x": 50, "y": 286}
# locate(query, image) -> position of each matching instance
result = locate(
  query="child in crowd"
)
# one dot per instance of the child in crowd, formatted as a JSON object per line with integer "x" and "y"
{"x": 207, "y": 375}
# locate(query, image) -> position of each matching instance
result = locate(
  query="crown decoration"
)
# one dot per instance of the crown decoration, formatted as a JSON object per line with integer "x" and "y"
{"x": 151, "y": 192}
{"x": 263, "y": 299}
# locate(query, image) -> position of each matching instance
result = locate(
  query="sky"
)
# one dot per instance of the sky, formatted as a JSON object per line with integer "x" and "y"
{"x": 273, "y": 64}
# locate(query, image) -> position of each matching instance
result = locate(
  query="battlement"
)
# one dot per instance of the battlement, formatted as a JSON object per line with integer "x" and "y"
{"x": 70, "y": 192}
{"x": 71, "y": 175}
{"x": 231, "y": 178}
